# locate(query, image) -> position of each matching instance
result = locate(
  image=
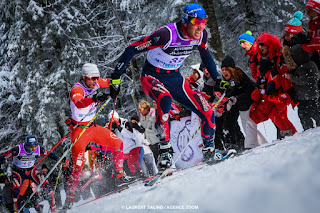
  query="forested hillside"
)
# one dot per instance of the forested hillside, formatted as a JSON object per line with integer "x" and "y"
{"x": 43, "y": 45}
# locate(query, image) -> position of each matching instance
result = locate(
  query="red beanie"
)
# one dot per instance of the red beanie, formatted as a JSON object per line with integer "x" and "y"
{"x": 314, "y": 4}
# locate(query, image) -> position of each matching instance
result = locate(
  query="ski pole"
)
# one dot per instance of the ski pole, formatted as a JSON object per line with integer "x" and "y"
{"x": 104, "y": 156}
{"x": 165, "y": 172}
{"x": 66, "y": 152}
{"x": 55, "y": 185}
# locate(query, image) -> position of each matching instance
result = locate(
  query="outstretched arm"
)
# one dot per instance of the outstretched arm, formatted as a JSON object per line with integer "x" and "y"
{"x": 159, "y": 38}
{"x": 43, "y": 151}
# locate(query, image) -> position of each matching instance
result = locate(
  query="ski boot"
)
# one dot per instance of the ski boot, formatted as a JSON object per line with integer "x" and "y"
{"x": 165, "y": 158}
{"x": 221, "y": 155}
{"x": 208, "y": 153}
{"x": 69, "y": 202}
{"x": 123, "y": 179}
{"x": 215, "y": 155}
{"x": 138, "y": 175}
{"x": 285, "y": 133}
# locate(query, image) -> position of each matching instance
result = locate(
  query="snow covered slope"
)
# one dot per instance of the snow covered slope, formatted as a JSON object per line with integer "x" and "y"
{"x": 281, "y": 178}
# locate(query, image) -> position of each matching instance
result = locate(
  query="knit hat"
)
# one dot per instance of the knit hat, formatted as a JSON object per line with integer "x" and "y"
{"x": 295, "y": 24}
{"x": 135, "y": 117}
{"x": 314, "y": 4}
{"x": 44, "y": 166}
{"x": 246, "y": 37}
{"x": 228, "y": 62}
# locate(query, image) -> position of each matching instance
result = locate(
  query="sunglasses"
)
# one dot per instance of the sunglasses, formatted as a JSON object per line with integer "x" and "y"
{"x": 94, "y": 78}
{"x": 261, "y": 44}
{"x": 197, "y": 21}
{"x": 32, "y": 146}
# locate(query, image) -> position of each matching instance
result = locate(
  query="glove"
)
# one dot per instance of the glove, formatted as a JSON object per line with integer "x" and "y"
{"x": 260, "y": 81}
{"x": 100, "y": 96}
{"x": 115, "y": 85}
{"x": 129, "y": 126}
{"x": 224, "y": 84}
{"x": 232, "y": 101}
{"x": 176, "y": 117}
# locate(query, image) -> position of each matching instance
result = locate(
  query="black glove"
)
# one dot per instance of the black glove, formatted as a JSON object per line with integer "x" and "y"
{"x": 100, "y": 96}
{"x": 115, "y": 85}
{"x": 129, "y": 126}
{"x": 260, "y": 81}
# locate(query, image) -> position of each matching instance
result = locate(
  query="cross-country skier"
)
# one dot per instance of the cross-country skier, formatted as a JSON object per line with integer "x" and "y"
{"x": 23, "y": 170}
{"x": 168, "y": 47}
{"x": 82, "y": 98}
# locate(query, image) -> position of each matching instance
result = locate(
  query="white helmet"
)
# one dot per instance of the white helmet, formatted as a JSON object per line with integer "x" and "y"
{"x": 90, "y": 70}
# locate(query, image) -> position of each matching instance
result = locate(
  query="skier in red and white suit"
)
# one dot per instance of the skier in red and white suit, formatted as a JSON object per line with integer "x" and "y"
{"x": 82, "y": 98}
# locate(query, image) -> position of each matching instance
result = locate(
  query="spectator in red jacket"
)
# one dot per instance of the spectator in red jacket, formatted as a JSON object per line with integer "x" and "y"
{"x": 313, "y": 12}
{"x": 246, "y": 41}
{"x": 270, "y": 99}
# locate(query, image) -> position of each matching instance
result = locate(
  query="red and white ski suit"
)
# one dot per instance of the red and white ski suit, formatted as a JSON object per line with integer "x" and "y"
{"x": 80, "y": 106}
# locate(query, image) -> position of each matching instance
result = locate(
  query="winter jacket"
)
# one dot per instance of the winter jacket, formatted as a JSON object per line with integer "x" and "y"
{"x": 148, "y": 122}
{"x": 7, "y": 194}
{"x": 271, "y": 101}
{"x": 314, "y": 27}
{"x": 306, "y": 76}
{"x": 242, "y": 91}
{"x": 253, "y": 63}
{"x": 260, "y": 109}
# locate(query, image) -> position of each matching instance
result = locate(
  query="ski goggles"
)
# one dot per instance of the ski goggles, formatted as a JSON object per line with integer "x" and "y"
{"x": 94, "y": 78}
{"x": 197, "y": 21}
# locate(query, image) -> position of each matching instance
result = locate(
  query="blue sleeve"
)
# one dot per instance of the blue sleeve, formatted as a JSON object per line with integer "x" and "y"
{"x": 159, "y": 38}
{"x": 206, "y": 56}
{"x": 43, "y": 151}
{"x": 53, "y": 156}
{"x": 2, "y": 160}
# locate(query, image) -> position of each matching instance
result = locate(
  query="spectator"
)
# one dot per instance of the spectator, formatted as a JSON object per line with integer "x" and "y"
{"x": 293, "y": 34}
{"x": 305, "y": 77}
{"x": 270, "y": 98}
{"x": 246, "y": 41}
{"x": 148, "y": 166}
{"x": 147, "y": 117}
{"x": 239, "y": 94}
{"x": 54, "y": 181}
{"x": 7, "y": 195}
{"x": 131, "y": 142}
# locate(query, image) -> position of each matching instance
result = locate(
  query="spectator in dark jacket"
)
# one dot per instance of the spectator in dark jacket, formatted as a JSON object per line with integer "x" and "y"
{"x": 306, "y": 78}
{"x": 53, "y": 180}
{"x": 239, "y": 94}
{"x": 233, "y": 136}
{"x": 7, "y": 195}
